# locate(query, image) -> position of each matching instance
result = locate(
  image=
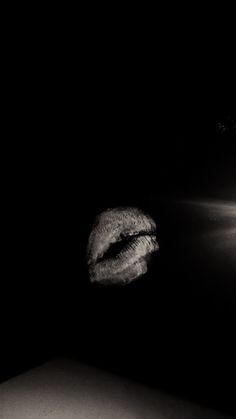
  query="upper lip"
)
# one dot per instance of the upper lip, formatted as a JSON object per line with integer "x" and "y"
{"x": 128, "y": 226}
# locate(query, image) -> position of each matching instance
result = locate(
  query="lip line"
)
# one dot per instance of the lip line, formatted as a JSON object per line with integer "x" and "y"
{"x": 110, "y": 260}
{"x": 151, "y": 232}
{"x": 102, "y": 267}
{"x": 119, "y": 232}
{"x": 141, "y": 234}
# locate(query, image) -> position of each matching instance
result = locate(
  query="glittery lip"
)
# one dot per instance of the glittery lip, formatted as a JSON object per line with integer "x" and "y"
{"x": 135, "y": 234}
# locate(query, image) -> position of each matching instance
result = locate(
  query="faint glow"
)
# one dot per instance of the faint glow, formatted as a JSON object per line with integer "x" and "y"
{"x": 220, "y": 231}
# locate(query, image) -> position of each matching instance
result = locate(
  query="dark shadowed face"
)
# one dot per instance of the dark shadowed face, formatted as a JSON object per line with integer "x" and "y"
{"x": 170, "y": 212}
{"x": 173, "y": 326}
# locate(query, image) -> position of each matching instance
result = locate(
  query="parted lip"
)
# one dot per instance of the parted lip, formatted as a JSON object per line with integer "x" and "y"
{"x": 135, "y": 234}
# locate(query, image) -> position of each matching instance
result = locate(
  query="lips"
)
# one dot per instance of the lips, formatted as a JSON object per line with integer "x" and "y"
{"x": 120, "y": 245}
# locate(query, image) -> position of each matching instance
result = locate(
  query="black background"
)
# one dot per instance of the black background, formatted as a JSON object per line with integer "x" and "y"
{"x": 122, "y": 145}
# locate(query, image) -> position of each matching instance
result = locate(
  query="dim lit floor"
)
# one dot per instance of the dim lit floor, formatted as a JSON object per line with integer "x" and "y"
{"x": 63, "y": 389}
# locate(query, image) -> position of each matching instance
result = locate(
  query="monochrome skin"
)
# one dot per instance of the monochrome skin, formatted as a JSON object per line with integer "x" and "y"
{"x": 135, "y": 232}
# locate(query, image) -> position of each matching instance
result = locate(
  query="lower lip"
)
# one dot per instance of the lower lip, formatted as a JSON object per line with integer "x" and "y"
{"x": 128, "y": 265}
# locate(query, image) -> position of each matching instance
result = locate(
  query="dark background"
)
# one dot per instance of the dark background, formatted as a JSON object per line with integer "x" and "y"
{"x": 174, "y": 328}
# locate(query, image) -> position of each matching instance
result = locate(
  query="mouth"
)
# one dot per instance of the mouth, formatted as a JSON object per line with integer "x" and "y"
{"x": 120, "y": 245}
